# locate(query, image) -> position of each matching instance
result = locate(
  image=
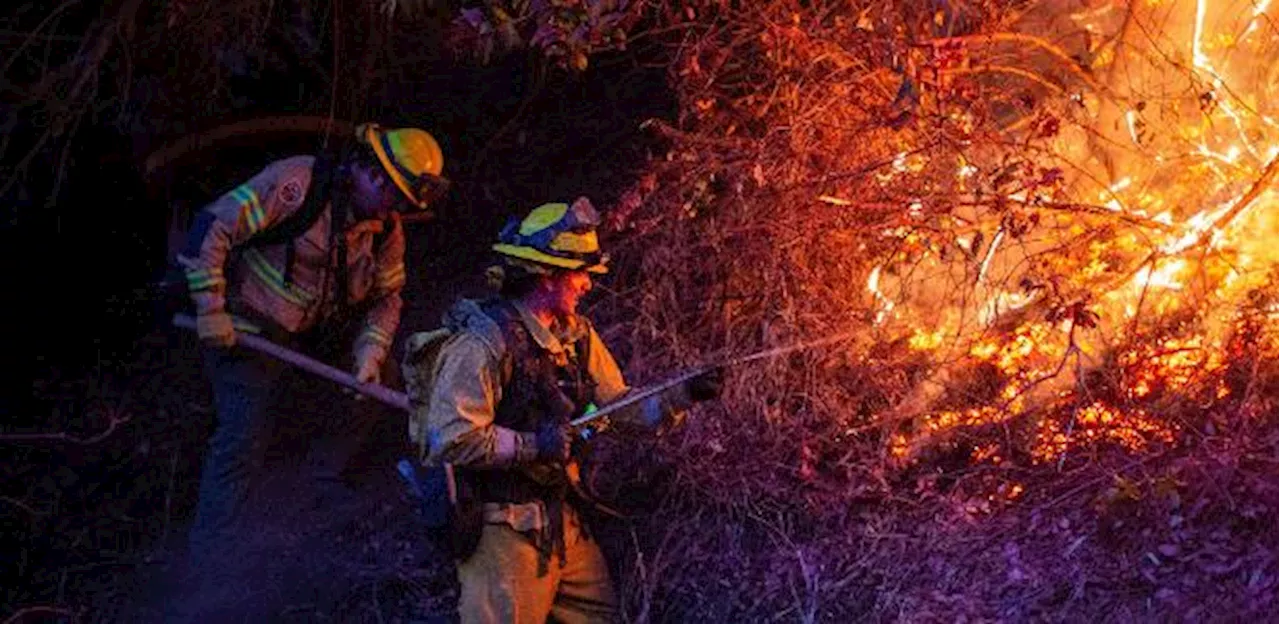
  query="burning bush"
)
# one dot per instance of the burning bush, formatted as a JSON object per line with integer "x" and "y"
{"x": 1042, "y": 236}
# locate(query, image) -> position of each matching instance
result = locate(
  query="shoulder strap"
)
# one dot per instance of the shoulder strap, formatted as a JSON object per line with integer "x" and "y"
{"x": 304, "y": 217}
{"x": 388, "y": 225}
{"x": 583, "y": 348}
{"x": 297, "y": 224}
{"x": 515, "y": 336}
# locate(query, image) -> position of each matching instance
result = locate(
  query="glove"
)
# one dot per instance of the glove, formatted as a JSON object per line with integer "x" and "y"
{"x": 216, "y": 329}
{"x": 706, "y": 386}
{"x": 553, "y": 442}
{"x": 367, "y": 371}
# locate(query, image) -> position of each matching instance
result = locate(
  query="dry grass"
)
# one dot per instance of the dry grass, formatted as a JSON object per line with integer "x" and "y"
{"x": 946, "y": 461}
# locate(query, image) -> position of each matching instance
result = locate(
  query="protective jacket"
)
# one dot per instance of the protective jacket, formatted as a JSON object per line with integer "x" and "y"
{"x": 296, "y": 285}
{"x": 501, "y": 375}
{"x": 473, "y": 385}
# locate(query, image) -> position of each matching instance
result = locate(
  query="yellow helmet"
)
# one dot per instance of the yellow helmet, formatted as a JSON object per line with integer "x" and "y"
{"x": 411, "y": 158}
{"x": 555, "y": 235}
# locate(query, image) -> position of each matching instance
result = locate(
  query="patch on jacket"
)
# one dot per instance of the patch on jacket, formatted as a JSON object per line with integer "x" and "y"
{"x": 292, "y": 193}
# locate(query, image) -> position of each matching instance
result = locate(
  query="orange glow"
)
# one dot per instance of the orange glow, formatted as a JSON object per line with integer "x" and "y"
{"x": 1094, "y": 320}
{"x": 1098, "y": 422}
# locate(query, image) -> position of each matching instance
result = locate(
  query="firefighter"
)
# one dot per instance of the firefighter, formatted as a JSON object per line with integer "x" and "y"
{"x": 309, "y": 249}
{"x": 513, "y": 372}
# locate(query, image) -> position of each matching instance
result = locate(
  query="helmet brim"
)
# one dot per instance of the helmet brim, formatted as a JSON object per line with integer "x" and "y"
{"x": 389, "y": 167}
{"x": 533, "y": 255}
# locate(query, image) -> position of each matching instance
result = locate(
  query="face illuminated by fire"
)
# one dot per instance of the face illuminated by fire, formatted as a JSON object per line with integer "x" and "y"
{"x": 562, "y": 291}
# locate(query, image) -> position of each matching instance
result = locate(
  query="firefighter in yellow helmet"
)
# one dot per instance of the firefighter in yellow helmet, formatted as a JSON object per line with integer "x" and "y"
{"x": 309, "y": 252}
{"x": 513, "y": 372}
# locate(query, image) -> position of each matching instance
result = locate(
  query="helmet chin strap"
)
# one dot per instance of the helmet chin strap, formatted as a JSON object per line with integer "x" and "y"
{"x": 541, "y": 303}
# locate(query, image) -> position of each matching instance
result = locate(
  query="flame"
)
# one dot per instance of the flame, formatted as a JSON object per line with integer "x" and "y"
{"x": 884, "y": 303}
{"x": 1163, "y": 277}
{"x": 1188, "y": 218}
{"x": 926, "y": 341}
{"x": 1133, "y": 430}
{"x": 1172, "y": 364}
{"x": 1258, "y": 10}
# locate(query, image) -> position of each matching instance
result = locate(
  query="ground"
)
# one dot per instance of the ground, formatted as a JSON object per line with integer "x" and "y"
{"x": 311, "y": 552}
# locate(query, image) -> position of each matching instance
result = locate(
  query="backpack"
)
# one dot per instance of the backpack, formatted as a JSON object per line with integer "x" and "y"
{"x": 454, "y": 519}
{"x": 418, "y": 371}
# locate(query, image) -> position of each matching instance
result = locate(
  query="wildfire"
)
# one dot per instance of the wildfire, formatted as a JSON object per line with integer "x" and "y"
{"x": 1183, "y": 231}
{"x": 926, "y": 341}
{"x": 1172, "y": 365}
{"x": 1133, "y": 430}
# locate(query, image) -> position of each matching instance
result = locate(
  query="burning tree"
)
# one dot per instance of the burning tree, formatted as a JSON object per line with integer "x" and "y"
{"x": 1047, "y": 232}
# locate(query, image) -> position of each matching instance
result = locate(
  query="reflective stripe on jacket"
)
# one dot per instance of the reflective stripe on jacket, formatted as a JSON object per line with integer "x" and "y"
{"x": 223, "y": 275}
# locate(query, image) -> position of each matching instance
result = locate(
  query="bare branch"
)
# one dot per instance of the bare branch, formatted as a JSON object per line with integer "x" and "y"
{"x": 21, "y": 505}
{"x": 22, "y": 613}
{"x": 116, "y": 420}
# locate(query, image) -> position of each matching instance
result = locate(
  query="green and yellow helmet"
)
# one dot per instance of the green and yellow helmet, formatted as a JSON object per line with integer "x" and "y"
{"x": 555, "y": 235}
{"x": 412, "y": 159}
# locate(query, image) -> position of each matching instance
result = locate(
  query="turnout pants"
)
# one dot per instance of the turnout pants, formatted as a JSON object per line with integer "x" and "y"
{"x": 500, "y": 582}
{"x": 246, "y": 388}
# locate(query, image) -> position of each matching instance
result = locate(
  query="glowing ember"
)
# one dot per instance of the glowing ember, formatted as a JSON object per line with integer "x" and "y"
{"x": 1171, "y": 365}
{"x": 986, "y": 452}
{"x": 1096, "y": 423}
{"x": 926, "y": 341}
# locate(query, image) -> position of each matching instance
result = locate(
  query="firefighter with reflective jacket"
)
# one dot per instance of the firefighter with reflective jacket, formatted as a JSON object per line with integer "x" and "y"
{"x": 512, "y": 373}
{"x": 337, "y": 272}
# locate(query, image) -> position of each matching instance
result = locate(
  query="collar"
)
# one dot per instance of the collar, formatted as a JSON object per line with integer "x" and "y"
{"x": 557, "y": 338}
{"x": 370, "y": 226}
